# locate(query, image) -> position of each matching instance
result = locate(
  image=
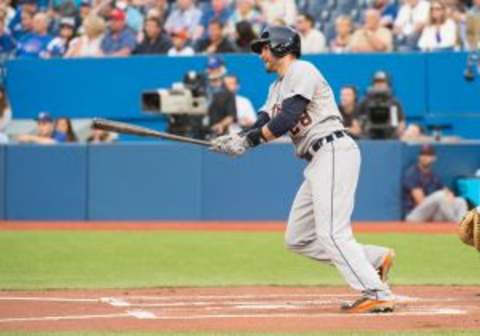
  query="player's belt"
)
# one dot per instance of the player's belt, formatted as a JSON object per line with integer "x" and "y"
{"x": 317, "y": 144}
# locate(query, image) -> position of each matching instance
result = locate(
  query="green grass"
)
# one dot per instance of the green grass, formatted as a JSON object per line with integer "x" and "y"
{"x": 440, "y": 333}
{"x": 78, "y": 259}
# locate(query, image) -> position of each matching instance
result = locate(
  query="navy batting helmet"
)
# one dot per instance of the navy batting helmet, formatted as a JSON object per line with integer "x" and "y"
{"x": 281, "y": 40}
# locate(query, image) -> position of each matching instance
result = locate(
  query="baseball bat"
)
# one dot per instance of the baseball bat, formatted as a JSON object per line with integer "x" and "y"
{"x": 125, "y": 128}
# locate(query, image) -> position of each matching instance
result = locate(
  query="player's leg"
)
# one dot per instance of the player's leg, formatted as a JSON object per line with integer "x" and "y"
{"x": 333, "y": 176}
{"x": 427, "y": 210}
{"x": 300, "y": 235}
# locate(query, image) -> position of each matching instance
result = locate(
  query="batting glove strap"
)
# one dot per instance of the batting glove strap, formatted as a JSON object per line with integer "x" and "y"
{"x": 255, "y": 137}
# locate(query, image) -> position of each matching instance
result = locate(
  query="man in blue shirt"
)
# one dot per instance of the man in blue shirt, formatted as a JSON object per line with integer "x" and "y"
{"x": 34, "y": 45}
{"x": 7, "y": 43}
{"x": 425, "y": 198}
{"x": 219, "y": 11}
{"x": 120, "y": 40}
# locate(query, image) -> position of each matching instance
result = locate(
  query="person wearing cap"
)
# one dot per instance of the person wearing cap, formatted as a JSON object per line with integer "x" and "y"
{"x": 380, "y": 112}
{"x": 18, "y": 25}
{"x": 154, "y": 41}
{"x": 59, "y": 45}
{"x": 44, "y": 134}
{"x": 120, "y": 40}
{"x": 215, "y": 42}
{"x": 425, "y": 198}
{"x": 222, "y": 110}
{"x": 34, "y": 45}
{"x": 180, "y": 46}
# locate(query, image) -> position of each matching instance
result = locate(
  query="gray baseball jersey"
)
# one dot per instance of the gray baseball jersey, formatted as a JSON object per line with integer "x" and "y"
{"x": 321, "y": 117}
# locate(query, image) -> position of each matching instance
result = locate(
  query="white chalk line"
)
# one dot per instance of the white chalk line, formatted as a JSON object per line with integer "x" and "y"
{"x": 152, "y": 316}
{"x": 46, "y": 299}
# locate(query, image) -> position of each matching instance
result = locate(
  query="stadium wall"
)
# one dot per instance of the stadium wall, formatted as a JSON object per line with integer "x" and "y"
{"x": 430, "y": 85}
{"x": 166, "y": 181}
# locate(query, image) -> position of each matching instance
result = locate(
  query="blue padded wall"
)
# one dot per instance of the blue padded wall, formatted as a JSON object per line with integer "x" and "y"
{"x": 378, "y": 191}
{"x": 257, "y": 186}
{"x": 46, "y": 182}
{"x": 144, "y": 181}
{"x": 2, "y": 182}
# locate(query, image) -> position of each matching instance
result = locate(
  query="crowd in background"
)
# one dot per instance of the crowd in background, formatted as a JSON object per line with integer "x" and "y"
{"x": 94, "y": 28}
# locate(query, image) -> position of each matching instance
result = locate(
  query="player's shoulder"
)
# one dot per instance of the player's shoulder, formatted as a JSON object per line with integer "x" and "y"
{"x": 302, "y": 65}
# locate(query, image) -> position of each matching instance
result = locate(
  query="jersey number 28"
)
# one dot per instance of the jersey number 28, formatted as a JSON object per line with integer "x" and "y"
{"x": 304, "y": 121}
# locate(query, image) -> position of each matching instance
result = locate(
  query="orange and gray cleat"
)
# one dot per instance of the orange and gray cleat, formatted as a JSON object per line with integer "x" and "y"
{"x": 365, "y": 305}
{"x": 387, "y": 264}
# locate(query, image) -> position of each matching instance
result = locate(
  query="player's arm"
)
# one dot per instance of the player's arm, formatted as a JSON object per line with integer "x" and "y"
{"x": 292, "y": 108}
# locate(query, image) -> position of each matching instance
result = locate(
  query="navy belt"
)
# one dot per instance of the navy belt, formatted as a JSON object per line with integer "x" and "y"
{"x": 317, "y": 144}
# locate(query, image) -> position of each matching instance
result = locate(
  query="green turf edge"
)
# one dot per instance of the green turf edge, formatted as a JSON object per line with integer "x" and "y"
{"x": 341, "y": 333}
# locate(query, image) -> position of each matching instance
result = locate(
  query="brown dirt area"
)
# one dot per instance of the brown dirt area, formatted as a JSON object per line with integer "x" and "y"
{"x": 260, "y": 309}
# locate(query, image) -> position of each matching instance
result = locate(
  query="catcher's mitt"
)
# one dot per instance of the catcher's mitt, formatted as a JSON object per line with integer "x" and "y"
{"x": 469, "y": 229}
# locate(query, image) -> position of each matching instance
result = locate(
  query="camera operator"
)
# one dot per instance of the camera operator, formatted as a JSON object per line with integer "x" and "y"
{"x": 380, "y": 112}
{"x": 221, "y": 108}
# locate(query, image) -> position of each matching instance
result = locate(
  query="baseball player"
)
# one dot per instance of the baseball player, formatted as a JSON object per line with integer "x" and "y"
{"x": 300, "y": 102}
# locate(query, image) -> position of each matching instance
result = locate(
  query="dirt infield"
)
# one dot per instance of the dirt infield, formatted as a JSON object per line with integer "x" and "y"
{"x": 370, "y": 227}
{"x": 261, "y": 309}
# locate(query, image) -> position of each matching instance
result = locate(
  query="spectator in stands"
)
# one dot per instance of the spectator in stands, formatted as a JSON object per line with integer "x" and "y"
{"x": 100, "y": 136}
{"x": 119, "y": 40}
{"x": 44, "y": 134}
{"x": 133, "y": 16}
{"x": 343, "y": 34}
{"x": 5, "y": 115}
{"x": 244, "y": 35}
{"x": 380, "y": 113}
{"x": 215, "y": 42}
{"x": 180, "y": 47}
{"x": 158, "y": 8}
{"x": 349, "y": 109}
{"x": 34, "y": 45}
{"x": 244, "y": 12}
{"x": 441, "y": 32}
{"x": 8, "y": 13}
{"x": 222, "y": 109}
{"x": 7, "y": 43}
{"x": 275, "y": 9}
{"x": 425, "y": 198}
{"x": 388, "y": 11}
{"x": 218, "y": 11}
{"x": 59, "y": 45}
{"x": 24, "y": 26}
{"x": 412, "y": 17}
{"x": 89, "y": 44}
{"x": 372, "y": 37}
{"x": 22, "y": 22}
{"x": 246, "y": 115}
{"x": 154, "y": 41}
{"x": 312, "y": 40}
{"x": 472, "y": 27}
{"x": 63, "y": 131}
{"x": 185, "y": 18}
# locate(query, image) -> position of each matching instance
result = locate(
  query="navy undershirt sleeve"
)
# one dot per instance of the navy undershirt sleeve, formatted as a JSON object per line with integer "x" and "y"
{"x": 291, "y": 110}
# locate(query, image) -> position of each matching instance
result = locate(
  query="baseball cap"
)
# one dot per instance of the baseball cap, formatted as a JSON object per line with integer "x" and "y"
{"x": 67, "y": 21}
{"x": 117, "y": 15}
{"x": 180, "y": 34}
{"x": 427, "y": 149}
{"x": 380, "y": 76}
{"x": 215, "y": 62}
{"x": 44, "y": 117}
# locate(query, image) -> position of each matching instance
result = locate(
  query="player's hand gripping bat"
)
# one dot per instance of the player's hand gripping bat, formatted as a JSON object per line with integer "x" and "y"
{"x": 125, "y": 128}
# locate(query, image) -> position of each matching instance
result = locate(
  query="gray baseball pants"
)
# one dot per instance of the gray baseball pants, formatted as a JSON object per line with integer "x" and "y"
{"x": 319, "y": 225}
{"x": 438, "y": 207}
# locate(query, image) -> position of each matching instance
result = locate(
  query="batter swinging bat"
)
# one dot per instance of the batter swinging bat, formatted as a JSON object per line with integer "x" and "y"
{"x": 121, "y": 127}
